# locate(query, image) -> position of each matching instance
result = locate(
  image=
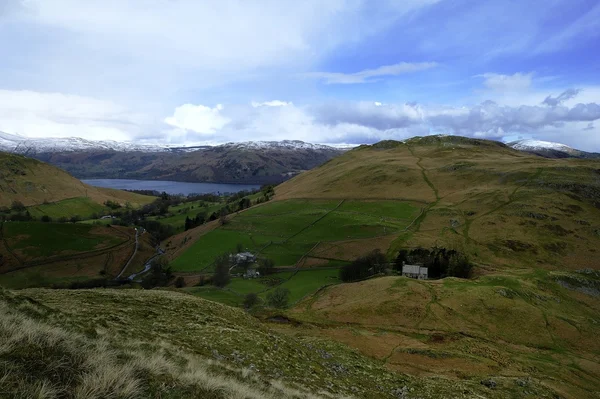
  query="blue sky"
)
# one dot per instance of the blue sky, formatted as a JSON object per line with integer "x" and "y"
{"x": 333, "y": 71}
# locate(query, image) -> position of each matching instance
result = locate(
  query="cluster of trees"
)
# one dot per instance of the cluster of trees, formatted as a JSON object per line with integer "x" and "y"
{"x": 364, "y": 266}
{"x": 441, "y": 262}
{"x": 159, "y": 275}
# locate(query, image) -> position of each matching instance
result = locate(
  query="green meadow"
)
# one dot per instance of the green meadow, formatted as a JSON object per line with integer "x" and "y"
{"x": 285, "y": 231}
{"x": 81, "y": 206}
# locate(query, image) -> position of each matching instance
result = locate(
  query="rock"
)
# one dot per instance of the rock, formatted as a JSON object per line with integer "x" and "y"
{"x": 489, "y": 383}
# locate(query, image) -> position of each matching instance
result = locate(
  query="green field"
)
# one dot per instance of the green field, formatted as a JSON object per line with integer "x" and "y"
{"x": 47, "y": 239}
{"x": 190, "y": 209}
{"x": 82, "y": 206}
{"x": 300, "y": 284}
{"x": 285, "y": 231}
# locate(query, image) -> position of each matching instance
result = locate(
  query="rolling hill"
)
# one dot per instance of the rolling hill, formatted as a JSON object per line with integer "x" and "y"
{"x": 501, "y": 206}
{"x": 33, "y": 182}
{"x": 531, "y": 226}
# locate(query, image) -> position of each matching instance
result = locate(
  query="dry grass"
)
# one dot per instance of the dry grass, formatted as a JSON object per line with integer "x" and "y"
{"x": 43, "y": 361}
{"x": 502, "y": 325}
{"x": 32, "y": 182}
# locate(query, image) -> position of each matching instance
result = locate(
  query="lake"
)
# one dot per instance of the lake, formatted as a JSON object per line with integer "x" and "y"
{"x": 170, "y": 187}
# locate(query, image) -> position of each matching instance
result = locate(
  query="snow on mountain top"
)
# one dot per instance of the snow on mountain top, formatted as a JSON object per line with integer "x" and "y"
{"x": 536, "y": 145}
{"x": 24, "y": 145}
{"x": 285, "y": 144}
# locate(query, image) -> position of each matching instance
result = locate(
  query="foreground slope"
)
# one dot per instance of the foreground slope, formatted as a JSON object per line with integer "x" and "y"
{"x": 33, "y": 182}
{"x": 535, "y": 325}
{"x": 157, "y": 344}
{"x": 499, "y": 205}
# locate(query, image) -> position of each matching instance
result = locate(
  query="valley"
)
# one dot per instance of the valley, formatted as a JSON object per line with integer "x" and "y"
{"x": 523, "y": 324}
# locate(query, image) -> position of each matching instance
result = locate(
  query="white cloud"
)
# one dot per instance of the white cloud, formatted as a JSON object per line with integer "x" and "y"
{"x": 516, "y": 82}
{"x": 273, "y": 103}
{"x": 370, "y": 75}
{"x": 198, "y": 118}
{"x": 34, "y": 114}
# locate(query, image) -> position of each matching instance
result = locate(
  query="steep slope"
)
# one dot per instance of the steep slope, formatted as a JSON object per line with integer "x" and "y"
{"x": 33, "y": 182}
{"x": 498, "y": 204}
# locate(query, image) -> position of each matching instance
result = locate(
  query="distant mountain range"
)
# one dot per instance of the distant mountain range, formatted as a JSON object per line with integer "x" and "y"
{"x": 548, "y": 149}
{"x": 253, "y": 162}
{"x": 259, "y": 162}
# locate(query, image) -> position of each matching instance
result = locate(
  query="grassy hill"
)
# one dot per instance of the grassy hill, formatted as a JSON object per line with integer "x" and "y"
{"x": 531, "y": 226}
{"x": 501, "y": 206}
{"x": 33, "y": 182}
{"x": 159, "y": 344}
{"x": 534, "y": 325}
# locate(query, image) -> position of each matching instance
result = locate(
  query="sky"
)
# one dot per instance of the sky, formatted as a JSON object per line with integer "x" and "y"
{"x": 185, "y": 72}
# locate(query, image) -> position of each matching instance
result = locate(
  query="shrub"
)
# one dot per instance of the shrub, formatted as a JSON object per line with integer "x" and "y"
{"x": 279, "y": 297}
{"x": 18, "y": 206}
{"x": 180, "y": 282}
{"x": 251, "y": 300}
{"x": 221, "y": 277}
{"x": 266, "y": 266}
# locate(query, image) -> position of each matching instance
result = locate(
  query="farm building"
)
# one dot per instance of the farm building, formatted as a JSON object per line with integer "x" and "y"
{"x": 243, "y": 258}
{"x": 415, "y": 271}
{"x": 251, "y": 273}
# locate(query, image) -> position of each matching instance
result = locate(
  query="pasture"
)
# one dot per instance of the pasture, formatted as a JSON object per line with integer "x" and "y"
{"x": 289, "y": 231}
{"x": 81, "y": 206}
{"x": 300, "y": 284}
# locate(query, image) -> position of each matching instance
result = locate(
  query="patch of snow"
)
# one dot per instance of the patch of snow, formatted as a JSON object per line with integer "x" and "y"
{"x": 24, "y": 145}
{"x": 537, "y": 145}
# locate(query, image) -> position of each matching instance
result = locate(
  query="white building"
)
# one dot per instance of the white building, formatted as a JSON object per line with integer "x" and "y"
{"x": 415, "y": 271}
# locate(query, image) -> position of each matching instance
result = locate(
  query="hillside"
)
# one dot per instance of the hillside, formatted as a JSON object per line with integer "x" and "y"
{"x": 33, "y": 182}
{"x": 499, "y": 205}
{"x": 531, "y": 226}
{"x": 250, "y": 162}
{"x": 158, "y": 344}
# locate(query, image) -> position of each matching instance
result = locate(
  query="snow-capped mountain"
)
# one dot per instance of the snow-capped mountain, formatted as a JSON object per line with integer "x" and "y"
{"x": 276, "y": 145}
{"x": 24, "y": 145}
{"x": 539, "y": 145}
{"x": 550, "y": 149}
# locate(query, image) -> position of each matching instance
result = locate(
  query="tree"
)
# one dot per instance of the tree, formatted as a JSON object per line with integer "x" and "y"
{"x": 46, "y": 219}
{"x": 239, "y": 247}
{"x": 364, "y": 266}
{"x": 17, "y": 206}
{"x": 222, "y": 264}
{"x": 223, "y": 216}
{"x": 401, "y": 259}
{"x": 266, "y": 266}
{"x": 244, "y": 203}
{"x": 278, "y": 298}
{"x": 180, "y": 282}
{"x": 459, "y": 266}
{"x": 159, "y": 275}
{"x": 251, "y": 300}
